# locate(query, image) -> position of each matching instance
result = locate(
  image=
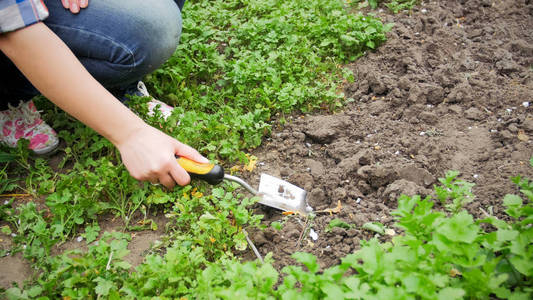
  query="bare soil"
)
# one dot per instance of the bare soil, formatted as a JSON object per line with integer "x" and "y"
{"x": 449, "y": 90}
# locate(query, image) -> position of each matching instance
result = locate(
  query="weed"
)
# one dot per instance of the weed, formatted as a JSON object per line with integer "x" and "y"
{"x": 458, "y": 190}
{"x": 338, "y": 223}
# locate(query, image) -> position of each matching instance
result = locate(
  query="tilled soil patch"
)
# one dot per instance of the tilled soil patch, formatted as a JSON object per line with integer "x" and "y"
{"x": 451, "y": 89}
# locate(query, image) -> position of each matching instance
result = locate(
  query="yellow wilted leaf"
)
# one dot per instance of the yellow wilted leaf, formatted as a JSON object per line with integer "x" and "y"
{"x": 252, "y": 161}
{"x": 196, "y": 194}
{"x": 454, "y": 272}
{"x": 250, "y": 166}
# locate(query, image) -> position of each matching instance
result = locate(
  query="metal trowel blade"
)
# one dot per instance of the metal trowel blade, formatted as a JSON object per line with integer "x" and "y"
{"x": 282, "y": 195}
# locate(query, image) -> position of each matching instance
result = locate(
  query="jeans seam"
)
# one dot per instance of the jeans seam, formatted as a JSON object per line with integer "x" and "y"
{"x": 122, "y": 46}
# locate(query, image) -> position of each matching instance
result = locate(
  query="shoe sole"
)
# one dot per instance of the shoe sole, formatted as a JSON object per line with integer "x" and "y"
{"x": 48, "y": 150}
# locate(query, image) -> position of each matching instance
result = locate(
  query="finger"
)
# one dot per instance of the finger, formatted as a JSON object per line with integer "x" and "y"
{"x": 179, "y": 174}
{"x": 83, "y": 3}
{"x": 167, "y": 181}
{"x": 65, "y": 3}
{"x": 74, "y": 7}
{"x": 189, "y": 152}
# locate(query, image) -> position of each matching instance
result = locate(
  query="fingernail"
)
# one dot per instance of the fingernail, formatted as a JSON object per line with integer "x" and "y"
{"x": 83, "y": 3}
{"x": 204, "y": 160}
{"x": 74, "y": 7}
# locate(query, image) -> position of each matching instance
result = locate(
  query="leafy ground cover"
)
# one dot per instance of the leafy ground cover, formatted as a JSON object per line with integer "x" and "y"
{"x": 242, "y": 64}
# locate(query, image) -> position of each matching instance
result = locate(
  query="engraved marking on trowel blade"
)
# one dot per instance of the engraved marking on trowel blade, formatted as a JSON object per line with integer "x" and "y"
{"x": 285, "y": 193}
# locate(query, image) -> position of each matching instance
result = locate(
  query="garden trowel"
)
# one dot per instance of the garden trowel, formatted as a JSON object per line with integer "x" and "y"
{"x": 272, "y": 191}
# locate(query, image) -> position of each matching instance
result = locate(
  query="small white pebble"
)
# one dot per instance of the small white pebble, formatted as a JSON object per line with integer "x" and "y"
{"x": 327, "y": 247}
{"x": 417, "y": 33}
{"x": 422, "y": 133}
{"x": 475, "y": 176}
{"x": 261, "y": 163}
{"x": 430, "y": 105}
{"x": 24, "y": 246}
{"x": 13, "y": 235}
{"x": 499, "y": 119}
{"x": 308, "y": 145}
{"x": 423, "y": 10}
{"x": 390, "y": 232}
{"x": 508, "y": 110}
{"x": 397, "y": 152}
{"x": 368, "y": 135}
{"x": 525, "y": 104}
{"x": 358, "y": 200}
{"x": 79, "y": 239}
{"x": 358, "y": 142}
{"x": 469, "y": 127}
{"x": 308, "y": 169}
{"x": 493, "y": 130}
{"x": 313, "y": 234}
{"x": 6, "y": 202}
{"x": 514, "y": 107}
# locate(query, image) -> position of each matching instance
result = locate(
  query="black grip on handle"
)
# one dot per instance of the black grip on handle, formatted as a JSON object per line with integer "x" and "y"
{"x": 215, "y": 176}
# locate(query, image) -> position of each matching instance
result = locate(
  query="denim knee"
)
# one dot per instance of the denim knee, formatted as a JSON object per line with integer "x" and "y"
{"x": 118, "y": 41}
{"x": 158, "y": 33}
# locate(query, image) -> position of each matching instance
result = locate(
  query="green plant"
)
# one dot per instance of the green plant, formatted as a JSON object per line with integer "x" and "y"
{"x": 77, "y": 275}
{"x": 458, "y": 190}
{"x": 338, "y": 223}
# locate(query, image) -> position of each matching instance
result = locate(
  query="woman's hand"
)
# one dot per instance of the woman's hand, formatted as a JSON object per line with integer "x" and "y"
{"x": 149, "y": 155}
{"x": 147, "y": 152}
{"x": 75, "y": 5}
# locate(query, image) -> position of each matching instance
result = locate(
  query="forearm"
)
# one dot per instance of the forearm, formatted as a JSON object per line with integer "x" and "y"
{"x": 54, "y": 70}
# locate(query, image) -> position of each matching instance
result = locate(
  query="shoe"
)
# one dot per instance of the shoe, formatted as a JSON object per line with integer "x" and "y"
{"x": 24, "y": 122}
{"x": 165, "y": 109}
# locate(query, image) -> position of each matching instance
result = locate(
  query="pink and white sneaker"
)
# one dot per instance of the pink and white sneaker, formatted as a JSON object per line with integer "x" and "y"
{"x": 165, "y": 109}
{"x": 24, "y": 122}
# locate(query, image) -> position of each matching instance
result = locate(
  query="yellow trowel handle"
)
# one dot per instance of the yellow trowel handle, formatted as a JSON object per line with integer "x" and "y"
{"x": 210, "y": 173}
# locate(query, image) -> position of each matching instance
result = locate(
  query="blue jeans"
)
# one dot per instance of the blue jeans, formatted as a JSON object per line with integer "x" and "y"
{"x": 118, "y": 42}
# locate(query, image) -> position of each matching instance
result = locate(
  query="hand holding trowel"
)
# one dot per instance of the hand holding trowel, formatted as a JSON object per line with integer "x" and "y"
{"x": 272, "y": 191}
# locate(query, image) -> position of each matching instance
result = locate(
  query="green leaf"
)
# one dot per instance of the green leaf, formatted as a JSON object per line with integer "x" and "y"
{"x": 8, "y": 157}
{"x": 450, "y": 293}
{"x": 504, "y": 235}
{"x": 332, "y": 291}
{"x": 6, "y": 230}
{"x": 512, "y": 200}
{"x": 35, "y": 291}
{"x": 308, "y": 260}
{"x": 276, "y": 225}
{"x": 122, "y": 264}
{"x": 459, "y": 228}
{"x": 375, "y": 226}
{"x": 103, "y": 287}
{"x": 338, "y": 223}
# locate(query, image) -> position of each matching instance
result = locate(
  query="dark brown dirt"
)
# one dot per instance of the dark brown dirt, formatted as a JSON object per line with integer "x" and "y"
{"x": 449, "y": 90}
